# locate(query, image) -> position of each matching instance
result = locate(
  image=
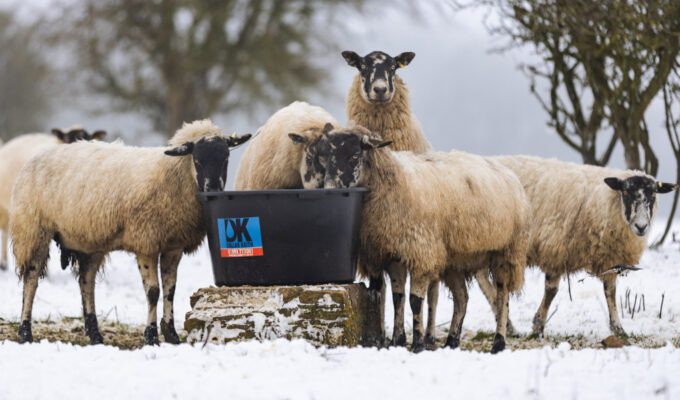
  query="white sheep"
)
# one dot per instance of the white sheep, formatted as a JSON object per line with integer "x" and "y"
{"x": 584, "y": 218}
{"x": 271, "y": 161}
{"x": 378, "y": 100}
{"x": 141, "y": 200}
{"x": 442, "y": 215}
{"x": 14, "y": 154}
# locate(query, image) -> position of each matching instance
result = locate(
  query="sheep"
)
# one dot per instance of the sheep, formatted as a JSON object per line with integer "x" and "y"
{"x": 378, "y": 100}
{"x": 442, "y": 215}
{"x": 271, "y": 161}
{"x": 584, "y": 218}
{"x": 141, "y": 200}
{"x": 14, "y": 154}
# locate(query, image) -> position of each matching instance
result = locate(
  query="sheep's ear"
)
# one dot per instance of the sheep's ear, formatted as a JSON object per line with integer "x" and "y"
{"x": 98, "y": 135}
{"x": 182, "y": 150}
{"x": 614, "y": 183}
{"x": 662, "y": 187}
{"x": 374, "y": 143}
{"x": 328, "y": 128}
{"x": 58, "y": 134}
{"x": 404, "y": 59}
{"x": 234, "y": 140}
{"x": 298, "y": 139}
{"x": 352, "y": 58}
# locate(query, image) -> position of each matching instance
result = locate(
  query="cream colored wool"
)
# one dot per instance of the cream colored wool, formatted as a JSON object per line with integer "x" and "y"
{"x": 437, "y": 210}
{"x": 271, "y": 160}
{"x": 578, "y": 222}
{"x": 118, "y": 198}
{"x": 392, "y": 121}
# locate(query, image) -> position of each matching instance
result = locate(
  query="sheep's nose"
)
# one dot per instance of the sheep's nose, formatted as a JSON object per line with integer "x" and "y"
{"x": 641, "y": 228}
{"x": 380, "y": 90}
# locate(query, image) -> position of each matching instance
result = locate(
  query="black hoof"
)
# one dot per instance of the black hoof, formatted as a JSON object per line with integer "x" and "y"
{"x": 151, "y": 335}
{"x": 92, "y": 329}
{"x": 452, "y": 342}
{"x": 169, "y": 332}
{"x": 418, "y": 347}
{"x": 25, "y": 333}
{"x": 430, "y": 343}
{"x": 399, "y": 340}
{"x": 498, "y": 344}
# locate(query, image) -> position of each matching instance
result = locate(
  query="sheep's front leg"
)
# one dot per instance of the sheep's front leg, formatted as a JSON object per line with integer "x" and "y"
{"x": 552, "y": 284}
{"x": 148, "y": 267}
{"x": 169, "y": 263}
{"x": 456, "y": 283}
{"x": 502, "y": 300}
{"x": 87, "y": 272}
{"x": 419, "y": 286}
{"x": 432, "y": 300}
{"x": 31, "y": 276}
{"x": 5, "y": 239}
{"x": 609, "y": 283}
{"x": 482, "y": 277}
{"x": 397, "y": 272}
{"x": 376, "y": 296}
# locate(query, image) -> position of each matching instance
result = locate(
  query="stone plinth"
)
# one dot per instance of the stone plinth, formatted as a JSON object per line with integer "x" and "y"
{"x": 331, "y": 315}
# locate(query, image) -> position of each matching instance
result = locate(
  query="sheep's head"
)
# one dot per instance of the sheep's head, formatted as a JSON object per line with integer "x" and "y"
{"x": 638, "y": 197}
{"x": 76, "y": 134}
{"x": 377, "y": 70}
{"x": 211, "y": 159}
{"x": 342, "y": 156}
{"x": 312, "y": 170}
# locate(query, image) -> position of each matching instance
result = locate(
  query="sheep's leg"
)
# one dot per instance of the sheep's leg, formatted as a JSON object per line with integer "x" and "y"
{"x": 419, "y": 286}
{"x": 609, "y": 283}
{"x": 148, "y": 267}
{"x": 169, "y": 263}
{"x": 397, "y": 272}
{"x": 482, "y": 277}
{"x": 502, "y": 300}
{"x": 5, "y": 239}
{"x": 552, "y": 283}
{"x": 31, "y": 276}
{"x": 88, "y": 265}
{"x": 376, "y": 295}
{"x": 432, "y": 300}
{"x": 456, "y": 283}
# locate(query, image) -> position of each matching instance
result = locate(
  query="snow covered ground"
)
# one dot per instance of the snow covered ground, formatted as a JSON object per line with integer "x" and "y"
{"x": 283, "y": 369}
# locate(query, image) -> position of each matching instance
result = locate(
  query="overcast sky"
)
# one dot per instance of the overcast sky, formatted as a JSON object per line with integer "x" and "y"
{"x": 466, "y": 96}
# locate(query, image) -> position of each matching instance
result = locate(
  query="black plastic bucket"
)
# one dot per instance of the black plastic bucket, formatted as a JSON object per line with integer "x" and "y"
{"x": 283, "y": 237}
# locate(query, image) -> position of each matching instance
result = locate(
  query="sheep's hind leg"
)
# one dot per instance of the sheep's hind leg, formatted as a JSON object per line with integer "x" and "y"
{"x": 419, "y": 286}
{"x": 31, "y": 276}
{"x": 502, "y": 300}
{"x": 397, "y": 272}
{"x": 148, "y": 267}
{"x": 169, "y": 263}
{"x": 456, "y": 283}
{"x": 609, "y": 283}
{"x": 552, "y": 284}
{"x": 432, "y": 300}
{"x": 482, "y": 277}
{"x": 88, "y": 265}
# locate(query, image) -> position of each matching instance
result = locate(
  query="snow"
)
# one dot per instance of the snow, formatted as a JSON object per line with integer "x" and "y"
{"x": 283, "y": 369}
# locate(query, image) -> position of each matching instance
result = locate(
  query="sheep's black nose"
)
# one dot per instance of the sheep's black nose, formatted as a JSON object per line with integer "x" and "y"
{"x": 640, "y": 228}
{"x": 380, "y": 90}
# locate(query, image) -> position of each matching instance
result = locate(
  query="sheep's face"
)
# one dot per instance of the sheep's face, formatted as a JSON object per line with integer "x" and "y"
{"x": 312, "y": 171}
{"x": 77, "y": 134}
{"x": 638, "y": 197}
{"x": 377, "y": 71}
{"x": 211, "y": 159}
{"x": 343, "y": 155}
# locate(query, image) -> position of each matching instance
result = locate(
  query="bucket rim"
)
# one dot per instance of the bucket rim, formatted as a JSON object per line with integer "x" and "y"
{"x": 207, "y": 195}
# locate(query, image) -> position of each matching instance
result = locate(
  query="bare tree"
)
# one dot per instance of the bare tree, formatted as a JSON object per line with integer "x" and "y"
{"x": 603, "y": 63}
{"x": 24, "y": 79}
{"x": 178, "y": 60}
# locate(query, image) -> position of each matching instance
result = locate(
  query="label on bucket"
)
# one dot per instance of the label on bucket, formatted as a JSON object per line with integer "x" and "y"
{"x": 240, "y": 237}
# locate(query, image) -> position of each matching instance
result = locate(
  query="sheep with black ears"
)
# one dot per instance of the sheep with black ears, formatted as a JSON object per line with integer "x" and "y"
{"x": 271, "y": 161}
{"x": 584, "y": 217}
{"x": 442, "y": 215}
{"x": 141, "y": 200}
{"x": 14, "y": 154}
{"x": 378, "y": 100}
